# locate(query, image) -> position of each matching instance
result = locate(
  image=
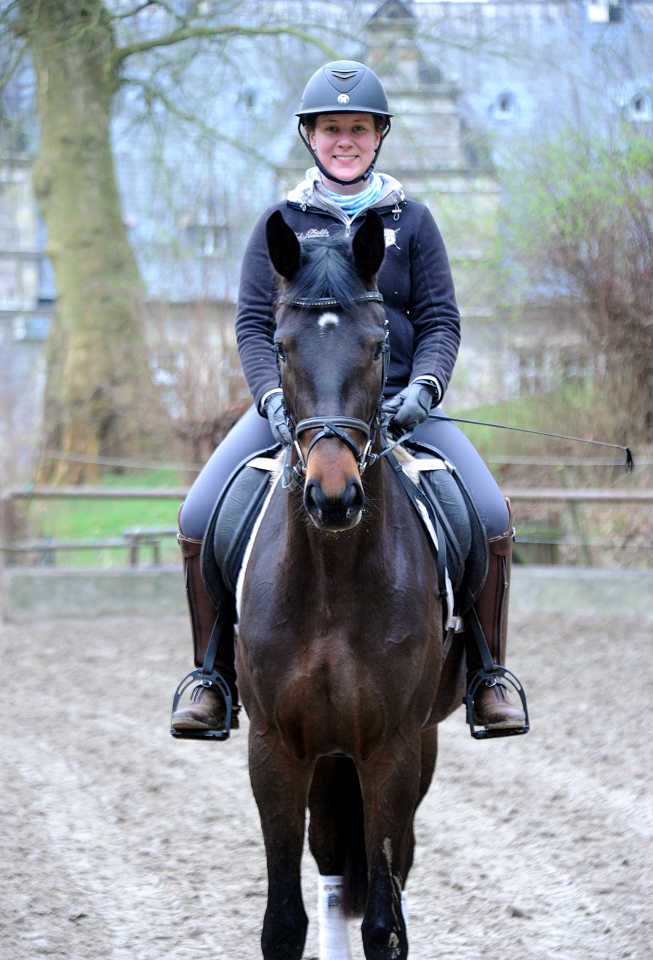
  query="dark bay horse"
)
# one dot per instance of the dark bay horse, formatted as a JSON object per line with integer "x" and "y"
{"x": 340, "y": 652}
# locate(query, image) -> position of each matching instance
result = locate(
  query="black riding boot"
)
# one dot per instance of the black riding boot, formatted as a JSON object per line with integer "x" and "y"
{"x": 492, "y": 707}
{"x": 207, "y": 709}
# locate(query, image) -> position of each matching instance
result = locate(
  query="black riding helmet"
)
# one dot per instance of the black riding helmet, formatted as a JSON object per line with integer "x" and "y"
{"x": 344, "y": 86}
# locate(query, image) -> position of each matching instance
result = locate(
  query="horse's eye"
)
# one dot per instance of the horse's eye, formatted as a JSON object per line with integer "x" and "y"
{"x": 280, "y": 351}
{"x": 378, "y": 350}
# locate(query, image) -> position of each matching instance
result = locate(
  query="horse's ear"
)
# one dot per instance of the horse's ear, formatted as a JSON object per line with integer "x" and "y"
{"x": 368, "y": 245}
{"x": 283, "y": 246}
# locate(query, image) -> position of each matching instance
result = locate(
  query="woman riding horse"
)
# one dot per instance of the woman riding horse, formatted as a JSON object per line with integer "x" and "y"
{"x": 343, "y": 119}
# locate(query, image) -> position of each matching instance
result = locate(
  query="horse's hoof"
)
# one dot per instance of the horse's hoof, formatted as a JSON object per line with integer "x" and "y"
{"x": 206, "y": 711}
{"x": 495, "y": 711}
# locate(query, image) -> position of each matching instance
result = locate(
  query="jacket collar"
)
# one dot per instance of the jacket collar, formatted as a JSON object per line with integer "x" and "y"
{"x": 312, "y": 193}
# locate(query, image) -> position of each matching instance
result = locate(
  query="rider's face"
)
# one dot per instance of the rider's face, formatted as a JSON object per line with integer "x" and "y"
{"x": 345, "y": 145}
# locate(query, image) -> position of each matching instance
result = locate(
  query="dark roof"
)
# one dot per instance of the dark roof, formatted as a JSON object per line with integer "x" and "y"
{"x": 393, "y": 10}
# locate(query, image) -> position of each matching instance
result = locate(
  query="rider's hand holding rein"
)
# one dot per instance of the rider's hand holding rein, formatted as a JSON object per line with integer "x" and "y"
{"x": 275, "y": 410}
{"x": 412, "y": 404}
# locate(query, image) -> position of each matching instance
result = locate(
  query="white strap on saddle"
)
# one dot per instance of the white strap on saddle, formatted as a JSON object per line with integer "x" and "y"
{"x": 266, "y": 463}
{"x": 432, "y": 463}
{"x": 413, "y": 467}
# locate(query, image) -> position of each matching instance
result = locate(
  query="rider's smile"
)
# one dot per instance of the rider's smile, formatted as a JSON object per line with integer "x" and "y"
{"x": 345, "y": 144}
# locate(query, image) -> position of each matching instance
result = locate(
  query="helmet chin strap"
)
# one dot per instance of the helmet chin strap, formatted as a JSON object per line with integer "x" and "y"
{"x": 323, "y": 170}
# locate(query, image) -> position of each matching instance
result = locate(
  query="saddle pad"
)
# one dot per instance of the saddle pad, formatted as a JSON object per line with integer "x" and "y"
{"x": 237, "y": 515}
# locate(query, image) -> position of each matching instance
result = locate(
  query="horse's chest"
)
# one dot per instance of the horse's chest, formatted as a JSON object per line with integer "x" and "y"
{"x": 338, "y": 688}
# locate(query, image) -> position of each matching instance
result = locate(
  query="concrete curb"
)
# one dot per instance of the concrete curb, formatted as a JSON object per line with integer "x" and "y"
{"x": 30, "y": 594}
{"x": 583, "y": 590}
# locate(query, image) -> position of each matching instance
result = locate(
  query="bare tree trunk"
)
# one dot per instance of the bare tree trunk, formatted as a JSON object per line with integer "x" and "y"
{"x": 99, "y": 396}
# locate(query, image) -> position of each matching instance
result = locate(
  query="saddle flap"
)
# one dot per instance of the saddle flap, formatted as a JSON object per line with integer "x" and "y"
{"x": 232, "y": 521}
{"x": 463, "y": 519}
{"x": 238, "y": 513}
{"x": 446, "y": 499}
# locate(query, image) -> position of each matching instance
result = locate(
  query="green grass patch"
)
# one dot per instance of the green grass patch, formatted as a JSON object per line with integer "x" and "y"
{"x": 99, "y": 519}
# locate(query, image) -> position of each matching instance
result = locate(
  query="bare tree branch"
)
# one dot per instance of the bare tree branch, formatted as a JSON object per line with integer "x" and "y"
{"x": 11, "y": 69}
{"x": 139, "y": 9}
{"x": 209, "y": 133}
{"x": 232, "y": 30}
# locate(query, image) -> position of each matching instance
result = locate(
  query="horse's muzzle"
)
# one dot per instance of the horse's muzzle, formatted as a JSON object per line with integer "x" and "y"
{"x": 334, "y": 513}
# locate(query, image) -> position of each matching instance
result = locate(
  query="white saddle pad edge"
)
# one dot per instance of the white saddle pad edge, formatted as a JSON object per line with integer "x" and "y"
{"x": 250, "y": 543}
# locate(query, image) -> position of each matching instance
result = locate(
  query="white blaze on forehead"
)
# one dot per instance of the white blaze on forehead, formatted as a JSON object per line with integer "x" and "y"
{"x": 328, "y": 320}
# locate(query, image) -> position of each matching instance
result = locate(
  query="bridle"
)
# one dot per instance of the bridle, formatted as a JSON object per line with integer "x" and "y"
{"x": 293, "y": 476}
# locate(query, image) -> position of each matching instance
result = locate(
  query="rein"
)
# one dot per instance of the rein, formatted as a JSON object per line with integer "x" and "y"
{"x": 293, "y": 476}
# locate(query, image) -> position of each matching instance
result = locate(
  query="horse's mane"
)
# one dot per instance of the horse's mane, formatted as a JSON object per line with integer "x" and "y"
{"x": 327, "y": 270}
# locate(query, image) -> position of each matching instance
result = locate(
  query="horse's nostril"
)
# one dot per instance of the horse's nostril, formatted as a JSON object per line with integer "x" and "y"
{"x": 353, "y": 499}
{"x": 333, "y": 512}
{"x": 312, "y": 497}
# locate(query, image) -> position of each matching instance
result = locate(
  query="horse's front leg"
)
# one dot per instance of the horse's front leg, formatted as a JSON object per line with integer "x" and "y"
{"x": 390, "y": 784}
{"x": 280, "y": 783}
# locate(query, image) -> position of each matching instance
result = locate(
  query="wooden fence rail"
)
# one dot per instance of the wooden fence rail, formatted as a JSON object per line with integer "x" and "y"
{"x": 137, "y": 537}
{"x": 94, "y": 493}
{"x": 588, "y": 495}
{"x": 132, "y": 539}
{"x": 167, "y": 493}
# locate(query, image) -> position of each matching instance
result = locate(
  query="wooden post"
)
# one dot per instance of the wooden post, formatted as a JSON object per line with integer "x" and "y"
{"x": 8, "y": 526}
{"x": 8, "y": 516}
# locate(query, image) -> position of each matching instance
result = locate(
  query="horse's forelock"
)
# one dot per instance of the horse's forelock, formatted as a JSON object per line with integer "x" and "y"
{"x": 327, "y": 270}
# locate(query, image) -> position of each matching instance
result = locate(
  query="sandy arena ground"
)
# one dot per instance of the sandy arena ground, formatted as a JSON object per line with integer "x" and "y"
{"x": 117, "y": 841}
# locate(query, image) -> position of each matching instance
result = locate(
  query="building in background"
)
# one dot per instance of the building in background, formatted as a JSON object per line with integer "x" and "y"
{"x": 466, "y": 81}
{"x": 27, "y": 291}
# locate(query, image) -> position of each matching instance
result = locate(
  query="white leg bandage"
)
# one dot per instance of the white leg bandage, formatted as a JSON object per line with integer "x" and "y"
{"x": 334, "y": 927}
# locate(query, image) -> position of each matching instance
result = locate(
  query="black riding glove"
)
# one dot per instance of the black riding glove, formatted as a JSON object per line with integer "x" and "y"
{"x": 275, "y": 410}
{"x": 411, "y": 406}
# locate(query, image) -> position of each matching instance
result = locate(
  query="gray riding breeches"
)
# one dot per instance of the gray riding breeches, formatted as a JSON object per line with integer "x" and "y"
{"x": 252, "y": 433}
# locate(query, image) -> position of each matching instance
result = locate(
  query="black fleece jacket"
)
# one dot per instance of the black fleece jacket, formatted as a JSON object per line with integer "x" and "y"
{"x": 415, "y": 281}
